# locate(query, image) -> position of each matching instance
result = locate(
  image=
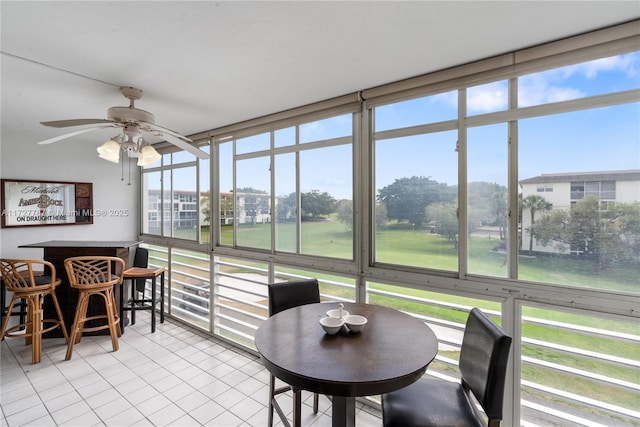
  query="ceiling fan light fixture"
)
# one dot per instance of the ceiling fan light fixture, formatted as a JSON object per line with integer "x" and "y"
{"x": 148, "y": 155}
{"x": 110, "y": 151}
{"x": 131, "y": 147}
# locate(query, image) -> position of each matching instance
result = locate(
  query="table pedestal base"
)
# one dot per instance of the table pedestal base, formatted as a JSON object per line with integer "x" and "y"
{"x": 343, "y": 411}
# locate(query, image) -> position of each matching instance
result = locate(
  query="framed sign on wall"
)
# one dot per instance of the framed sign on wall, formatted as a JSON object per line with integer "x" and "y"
{"x": 40, "y": 203}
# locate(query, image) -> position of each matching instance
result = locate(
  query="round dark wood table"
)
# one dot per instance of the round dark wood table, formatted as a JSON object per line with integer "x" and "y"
{"x": 392, "y": 351}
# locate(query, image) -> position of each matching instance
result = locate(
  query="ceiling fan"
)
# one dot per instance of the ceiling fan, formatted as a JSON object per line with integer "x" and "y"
{"x": 133, "y": 122}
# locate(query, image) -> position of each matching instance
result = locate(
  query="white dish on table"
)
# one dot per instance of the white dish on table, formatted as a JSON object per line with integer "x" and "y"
{"x": 355, "y": 322}
{"x": 331, "y": 325}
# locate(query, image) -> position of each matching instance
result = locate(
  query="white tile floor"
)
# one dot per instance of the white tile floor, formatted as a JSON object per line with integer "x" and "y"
{"x": 174, "y": 377}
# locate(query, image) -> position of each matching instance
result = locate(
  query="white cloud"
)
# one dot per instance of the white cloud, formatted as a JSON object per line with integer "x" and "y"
{"x": 449, "y": 99}
{"x": 627, "y": 64}
{"x": 538, "y": 89}
{"x": 487, "y": 98}
{"x": 554, "y": 85}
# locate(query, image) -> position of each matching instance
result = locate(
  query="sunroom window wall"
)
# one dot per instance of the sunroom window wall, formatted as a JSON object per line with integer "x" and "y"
{"x": 492, "y": 155}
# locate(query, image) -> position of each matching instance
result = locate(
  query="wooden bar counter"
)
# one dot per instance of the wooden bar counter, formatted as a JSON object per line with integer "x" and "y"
{"x": 56, "y": 251}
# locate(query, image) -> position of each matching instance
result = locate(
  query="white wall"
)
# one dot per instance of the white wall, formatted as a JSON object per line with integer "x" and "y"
{"x": 74, "y": 159}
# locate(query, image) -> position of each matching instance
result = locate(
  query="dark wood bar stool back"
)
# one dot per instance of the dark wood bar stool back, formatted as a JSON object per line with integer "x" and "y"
{"x": 139, "y": 274}
{"x": 434, "y": 402}
{"x": 31, "y": 285}
{"x": 94, "y": 276}
{"x": 283, "y": 296}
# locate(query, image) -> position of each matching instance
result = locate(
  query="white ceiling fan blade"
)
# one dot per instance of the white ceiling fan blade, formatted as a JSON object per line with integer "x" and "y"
{"x": 75, "y": 122}
{"x": 176, "y": 139}
{"x": 164, "y": 130}
{"x": 71, "y": 134}
{"x": 185, "y": 146}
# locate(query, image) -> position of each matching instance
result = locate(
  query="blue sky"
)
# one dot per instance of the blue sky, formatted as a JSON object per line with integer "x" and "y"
{"x": 598, "y": 139}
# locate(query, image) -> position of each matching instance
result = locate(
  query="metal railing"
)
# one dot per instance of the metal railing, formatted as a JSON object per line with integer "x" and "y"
{"x": 559, "y": 380}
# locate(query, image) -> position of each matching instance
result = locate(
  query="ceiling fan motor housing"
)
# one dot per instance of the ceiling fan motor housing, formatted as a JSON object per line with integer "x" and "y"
{"x": 130, "y": 114}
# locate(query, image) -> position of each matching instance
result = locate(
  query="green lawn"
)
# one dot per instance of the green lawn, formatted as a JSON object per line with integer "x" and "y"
{"x": 419, "y": 249}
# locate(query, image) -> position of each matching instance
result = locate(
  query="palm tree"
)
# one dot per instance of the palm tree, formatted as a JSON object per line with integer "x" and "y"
{"x": 534, "y": 203}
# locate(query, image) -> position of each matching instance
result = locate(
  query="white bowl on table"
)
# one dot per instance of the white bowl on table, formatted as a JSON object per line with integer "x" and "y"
{"x": 355, "y": 322}
{"x": 331, "y": 325}
{"x": 336, "y": 313}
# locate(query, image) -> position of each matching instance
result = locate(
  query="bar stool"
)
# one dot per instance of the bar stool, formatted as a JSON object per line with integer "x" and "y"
{"x": 18, "y": 309}
{"x": 94, "y": 276}
{"x": 142, "y": 303}
{"x": 31, "y": 285}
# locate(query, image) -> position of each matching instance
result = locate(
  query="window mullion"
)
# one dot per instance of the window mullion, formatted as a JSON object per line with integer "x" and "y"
{"x": 463, "y": 244}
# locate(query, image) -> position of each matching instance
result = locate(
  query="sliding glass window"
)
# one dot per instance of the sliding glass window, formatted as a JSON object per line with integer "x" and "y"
{"x": 487, "y": 192}
{"x": 579, "y": 176}
{"x": 174, "y": 192}
{"x": 416, "y": 183}
{"x": 573, "y": 133}
{"x": 291, "y": 189}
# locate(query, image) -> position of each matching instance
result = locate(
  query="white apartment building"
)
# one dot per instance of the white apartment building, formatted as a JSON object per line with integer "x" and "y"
{"x": 182, "y": 209}
{"x": 565, "y": 189}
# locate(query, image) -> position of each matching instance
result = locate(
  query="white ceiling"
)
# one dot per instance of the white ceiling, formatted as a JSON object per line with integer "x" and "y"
{"x": 205, "y": 64}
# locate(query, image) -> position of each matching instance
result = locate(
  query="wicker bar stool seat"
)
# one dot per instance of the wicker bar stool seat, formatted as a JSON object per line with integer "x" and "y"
{"x": 94, "y": 276}
{"x": 31, "y": 285}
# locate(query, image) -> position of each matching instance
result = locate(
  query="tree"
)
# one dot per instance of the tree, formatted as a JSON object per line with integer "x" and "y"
{"x": 344, "y": 210}
{"x": 204, "y": 207}
{"x": 553, "y": 228}
{"x": 487, "y": 205}
{"x": 534, "y": 203}
{"x": 446, "y": 221}
{"x": 316, "y": 203}
{"x": 286, "y": 207}
{"x": 254, "y": 203}
{"x": 499, "y": 208}
{"x": 249, "y": 190}
{"x": 407, "y": 198}
{"x": 226, "y": 207}
{"x": 622, "y": 230}
{"x": 610, "y": 236}
{"x": 380, "y": 215}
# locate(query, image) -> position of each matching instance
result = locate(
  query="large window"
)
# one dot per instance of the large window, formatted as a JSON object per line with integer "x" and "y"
{"x": 565, "y": 218}
{"x": 291, "y": 188}
{"x": 513, "y": 188}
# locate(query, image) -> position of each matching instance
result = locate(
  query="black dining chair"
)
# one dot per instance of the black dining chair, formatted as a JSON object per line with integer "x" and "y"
{"x": 434, "y": 402}
{"x": 283, "y": 296}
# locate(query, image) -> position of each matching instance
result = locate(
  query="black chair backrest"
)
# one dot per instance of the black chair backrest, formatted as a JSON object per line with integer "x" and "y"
{"x": 483, "y": 362}
{"x": 292, "y": 294}
{"x": 141, "y": 259}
